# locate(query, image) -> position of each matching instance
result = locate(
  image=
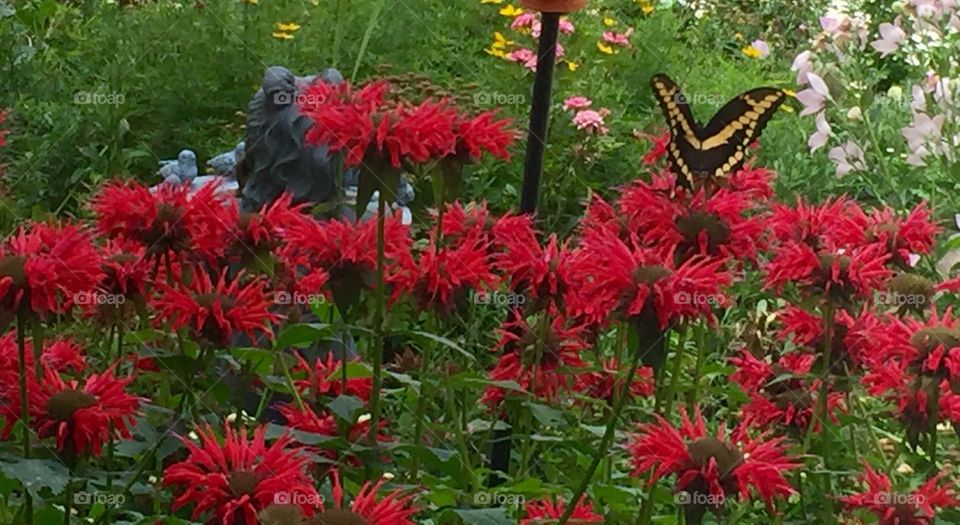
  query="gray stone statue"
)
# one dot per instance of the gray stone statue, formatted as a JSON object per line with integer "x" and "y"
{"x": 277, "y": 158}
{"x": 225, "y": 164}
{"x": 180, "y": 171}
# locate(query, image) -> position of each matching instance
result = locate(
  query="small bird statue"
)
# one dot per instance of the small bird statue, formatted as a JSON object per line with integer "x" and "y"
{"x": 180, "y": 171}
{"x": 225, "y": 164}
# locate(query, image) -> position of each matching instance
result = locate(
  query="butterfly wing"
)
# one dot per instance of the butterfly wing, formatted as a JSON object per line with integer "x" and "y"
{"x": 683, "y": 129}
{"x": 724, "y": 140}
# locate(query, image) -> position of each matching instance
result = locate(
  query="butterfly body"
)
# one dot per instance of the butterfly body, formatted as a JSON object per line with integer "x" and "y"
{"x": 717, "y": 149}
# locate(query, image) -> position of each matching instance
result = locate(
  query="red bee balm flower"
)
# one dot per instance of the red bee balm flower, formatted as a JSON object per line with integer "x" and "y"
{"x": 168, "y": 221}
{"x": 47, "y": 268}
{"x": 608, "y": 276}
{"x": 81, "y": 416}
{"x": 217, "y": 311}
{"x": 393, "y": 509}
{"x": 543, "y": 511}
{"x": 709, "y": 468}
{"x": 483, "y": 133}
{"x": 325, "y": 378}
{"x": 235, "y": 481}
{"x": 897, "y": 508}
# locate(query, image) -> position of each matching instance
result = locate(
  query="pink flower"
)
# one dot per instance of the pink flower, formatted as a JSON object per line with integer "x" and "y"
{"x": 590, "y": 120}
{"x": 803, "y": 66}
{"x": 577, "y": 102}
{"x": 524, "y": 56}
{"x": 566, "y": 26}
{"x": 527, "y": 22}
{"x": 818, "y": 139}
{"x": 761, "y": 47}
{"x": 619, "y": 39}
{"x": 848, "y": 157}
{"x": 921, "y": 133}
{"x": 890, "y": 37}
{"x": 815, "y": 97}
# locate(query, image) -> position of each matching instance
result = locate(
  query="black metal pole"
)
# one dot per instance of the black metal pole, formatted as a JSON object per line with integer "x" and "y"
{"x": 501, "y": 445}
{"x": 539, "y": 112}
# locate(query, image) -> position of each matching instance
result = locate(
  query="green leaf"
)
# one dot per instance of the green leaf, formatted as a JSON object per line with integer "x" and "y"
{"x": 302, "y": 335}
{"x": 547, "y": 416}
{"x": 37, "y": 474}
{"x": 346, "y": 407}
{"x": 445, "y": 342}
{"x": 497, "y": 516}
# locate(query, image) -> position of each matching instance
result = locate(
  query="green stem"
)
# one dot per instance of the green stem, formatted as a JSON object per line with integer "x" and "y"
{"x": 68, "y": 499}
{"x": 697, "y": 367}
{"x": 24, "y": 407}
{"x": 379, "y": 316}
{"x": 419, "y": 418}
{"x": 605, "y": 442}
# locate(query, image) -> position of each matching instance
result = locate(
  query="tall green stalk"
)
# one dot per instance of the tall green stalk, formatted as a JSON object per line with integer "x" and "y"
{"x": 379, "y": 316}
{"x": 24, "y": 407}
{"x": 607, "y": 438}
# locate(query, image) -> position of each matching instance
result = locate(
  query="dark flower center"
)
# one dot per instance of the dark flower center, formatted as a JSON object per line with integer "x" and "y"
{"x": 339, "y": 517}
{"x": 12, "y": 267}
{"x": 928, "y": 339}
{"x": 62, "y": 405}
{"x": 705, "y": 448}
{"x": 278, "y": 514}
{"x": 717, "y": 231}
{"x": 243, "y": 483}
{"x": 124, "y": 258}
{"x": 208, "y": 300}
{"x": 650, "y": 274}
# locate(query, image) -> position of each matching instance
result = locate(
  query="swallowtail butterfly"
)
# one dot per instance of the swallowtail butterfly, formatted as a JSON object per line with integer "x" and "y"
{"x": 716, "y": 150}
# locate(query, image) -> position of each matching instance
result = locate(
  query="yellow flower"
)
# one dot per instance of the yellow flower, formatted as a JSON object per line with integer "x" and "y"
{"x": 500, "y": 41}
{"x": 509, "y": 10}
{"x": 604, "y": 48}
{"x": 790, "y": 93}
{"x": 491, "y": 1}
{"x": 499, "y": 45}
{"x": 738, "y": 36}
{"x": 572, "y": 66}
{"x": 292, "y": 27}
{"x": 282, "y": 36}
{"x": 752, "y": 52}
{"x": 251, "y": 2}
{"x": 609, "y": 22}
{"x": 646, "y": 6}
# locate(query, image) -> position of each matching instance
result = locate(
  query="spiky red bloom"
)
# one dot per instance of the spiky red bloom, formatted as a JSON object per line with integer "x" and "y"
{"x": 125, "y": 269}
{"x": 324, "y": 379}
{"x": 709, "y": 466}
{"x": 841, "y": 275}
{"x": 546, "y": 360}
{"x": 903, "y": 237}
{"x": 416, "y": 134}
{"x": 395, "y": 508}
{"x": 725, "y": 224}
{"x": 81, "y": 414}
{"x": 217, "y": 310}
{"x": 599, "y": 384}
{"x": 545, "y": 510}
{"x": 658, "y": 147}
{"x": 345, "y": 249}
{"x": 60, "y": 355}
{"x": 46, "y": 268}
{"x": 343, "y": 117}
{"x": 483, "y": 133}
{"x": 918, "y": 507}
{"x": 533, "y": 269}
{"x": 256, "y": 234}
{"x": 781, "y": 393}
{"x": 234, "y": 481}
{"x": 608, "y": 276}
{"x": 835, "y": 224}
{"x": 307, "y": 420}
{"x": 440, "y": 276}
{"x": 168, "y": 221}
